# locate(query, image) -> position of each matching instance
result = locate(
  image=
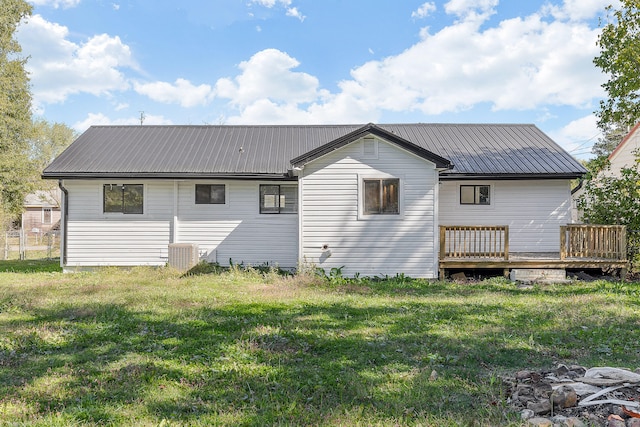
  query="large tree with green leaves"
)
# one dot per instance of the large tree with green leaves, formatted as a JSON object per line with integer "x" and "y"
{"x": 615, "y": 200}
{"x": 46, "y": 142}
{"x": 16, "y": 169}
{"x": 619, "y": 58}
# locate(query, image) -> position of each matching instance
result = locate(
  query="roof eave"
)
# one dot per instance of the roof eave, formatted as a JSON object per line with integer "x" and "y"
{"x": 447, "y": 176}
{"x": 166, "y": 175}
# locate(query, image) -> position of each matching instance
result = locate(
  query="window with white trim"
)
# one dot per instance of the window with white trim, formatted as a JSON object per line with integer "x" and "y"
{"x": 278, "y": 198}
{"x": 46, "y": 215}
{"x": 210, "y": 194}
{"x": 381, "y": 196}
{"x": 475, "y": 195}
{"x": 123, "y": 198}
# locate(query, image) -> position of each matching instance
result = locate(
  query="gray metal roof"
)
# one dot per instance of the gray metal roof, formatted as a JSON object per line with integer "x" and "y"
{"x": 498, "y": 150}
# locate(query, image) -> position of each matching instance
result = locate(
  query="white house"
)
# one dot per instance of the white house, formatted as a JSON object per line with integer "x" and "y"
{"x": 625, "y": 155}
{"x": 368, "y": 199}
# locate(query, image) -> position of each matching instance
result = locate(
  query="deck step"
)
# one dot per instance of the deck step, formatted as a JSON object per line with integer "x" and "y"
{"x": 540, "y": 275}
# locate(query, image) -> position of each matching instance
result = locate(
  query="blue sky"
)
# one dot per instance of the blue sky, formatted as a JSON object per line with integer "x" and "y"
{"x": 318, "y": 61}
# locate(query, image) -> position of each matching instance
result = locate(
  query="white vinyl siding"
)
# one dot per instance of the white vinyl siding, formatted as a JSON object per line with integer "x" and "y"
{"x": 335, "y": 236}
{"x": 95, "y": 238}
{"x": 233, "y": 231}
{"x": 625, "y": 156}
{"x": 238, "y": 232}
{"x": 534, "y": 211}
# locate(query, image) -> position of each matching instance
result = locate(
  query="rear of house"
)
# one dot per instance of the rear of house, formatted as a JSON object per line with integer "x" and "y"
{"x": 364, "y": 199}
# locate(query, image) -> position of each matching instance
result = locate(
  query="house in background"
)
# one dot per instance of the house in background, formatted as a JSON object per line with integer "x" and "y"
{"x": 41, "y": 211}
{"x": 625, "y": 155}
{"x": 370, "y": 199}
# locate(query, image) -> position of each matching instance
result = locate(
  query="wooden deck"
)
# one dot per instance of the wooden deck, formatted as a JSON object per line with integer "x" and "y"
{"x": 487, "y": 247}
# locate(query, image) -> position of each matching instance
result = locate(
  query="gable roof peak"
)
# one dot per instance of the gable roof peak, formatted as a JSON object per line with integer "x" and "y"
{"x": 378, "y": 131}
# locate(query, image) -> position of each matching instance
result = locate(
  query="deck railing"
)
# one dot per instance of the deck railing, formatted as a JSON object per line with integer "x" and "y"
{"x": 474, "y": 241}
{"x": 593, "y": 241}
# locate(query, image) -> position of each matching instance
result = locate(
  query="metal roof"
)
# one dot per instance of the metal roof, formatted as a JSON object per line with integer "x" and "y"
{"x": 497, "y": 150}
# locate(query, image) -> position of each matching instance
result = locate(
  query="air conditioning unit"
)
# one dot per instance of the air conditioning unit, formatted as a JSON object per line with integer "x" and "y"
{"x": 183, "y": 256}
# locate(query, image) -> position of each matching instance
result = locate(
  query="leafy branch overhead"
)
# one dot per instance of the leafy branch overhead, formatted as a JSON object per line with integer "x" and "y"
{"x": 619, "y": 58}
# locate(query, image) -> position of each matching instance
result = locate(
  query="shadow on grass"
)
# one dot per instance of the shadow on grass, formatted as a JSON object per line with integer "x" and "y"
{"x": 279, "y": 363}
{"x": 31, "y": 266}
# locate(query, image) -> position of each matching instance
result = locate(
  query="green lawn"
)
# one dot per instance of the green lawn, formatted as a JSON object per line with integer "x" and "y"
{"x": 152, "y": 347}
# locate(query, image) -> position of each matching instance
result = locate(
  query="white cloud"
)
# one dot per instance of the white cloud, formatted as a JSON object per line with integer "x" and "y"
{"x": 286, "y": 4}
{"x": 181, "y": 92}
{"x": 271, "y": 3}
{"x": 520, "y": 64}
{"x": 523, "y": 63}
{"x": 578, "y": 10}
{"x": 578, "y": 136}
{"x": 59, "y": 67}
{"x": 294, "y": 12}
{"x": 528, "y": 63}
{"x": 65, "y": 4}
{"x": 268, "y": 75}
{"x": 99, "y": 119}
{"x": 424, "y": 10}
{"x": 471, "y": 10}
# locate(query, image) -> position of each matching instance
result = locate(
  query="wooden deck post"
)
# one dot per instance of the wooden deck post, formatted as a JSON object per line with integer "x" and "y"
{"x": 443, "y": 239}
{"x": 506, "y": 242}
{"x": 563, "y": 242}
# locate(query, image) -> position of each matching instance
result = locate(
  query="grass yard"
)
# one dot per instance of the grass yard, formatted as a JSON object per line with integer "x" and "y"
{"x": 150, "y": 347}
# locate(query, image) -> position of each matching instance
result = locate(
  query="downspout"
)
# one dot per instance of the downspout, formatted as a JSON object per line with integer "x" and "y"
{"x": 65, "y": 221}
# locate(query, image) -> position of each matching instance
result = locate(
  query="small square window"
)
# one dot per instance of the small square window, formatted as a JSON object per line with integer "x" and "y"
{"x": 278, "y": 198}
{"x": 475, "y": 195}
{"x": 381, "y": 196}
{"x": 210, "y": 194}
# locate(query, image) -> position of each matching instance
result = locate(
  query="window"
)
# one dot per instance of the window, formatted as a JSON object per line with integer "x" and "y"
{"x": 125, "y": 198}
{"x": 278, "y": 199}
{"x": 474, "y": 195}
{"x": 46, "y": 215}
{"x": 210, "y": 194}
{"x": 381, "y": 196}
{"x": 369, "y": 148}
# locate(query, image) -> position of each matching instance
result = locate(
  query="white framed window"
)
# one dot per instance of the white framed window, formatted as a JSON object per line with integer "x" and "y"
{"x": 123, "y": 198}
{"x": 47, "y": 215}
{"x": 278, "y": 198}
{"x": 475, "y": 194}
{"x": 210, "y": 194}
{"x": 381, "y": 196}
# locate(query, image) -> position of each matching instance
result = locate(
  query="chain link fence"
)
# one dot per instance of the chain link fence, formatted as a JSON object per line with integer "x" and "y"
{"x": 23, "y": 244}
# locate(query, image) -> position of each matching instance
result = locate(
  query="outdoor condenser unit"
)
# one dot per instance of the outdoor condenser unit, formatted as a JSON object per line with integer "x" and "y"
{"x": 183, "y": 256}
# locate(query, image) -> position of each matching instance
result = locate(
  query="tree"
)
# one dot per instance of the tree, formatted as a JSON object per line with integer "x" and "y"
{"x": 619, "y": 57}
{"x": 614, "y": 200}
{"x": 48, "y": 140}
{"x": 612, "y": 136}
{"x": 15, "y": 111}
